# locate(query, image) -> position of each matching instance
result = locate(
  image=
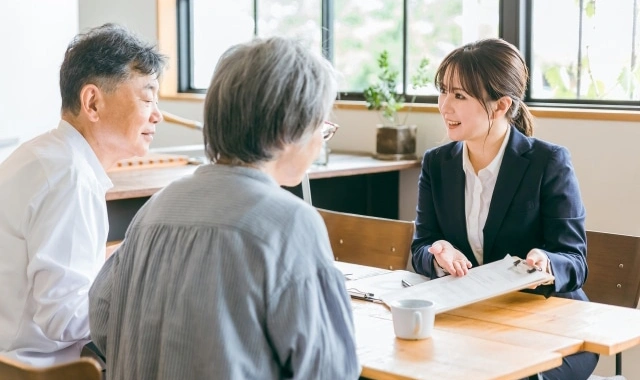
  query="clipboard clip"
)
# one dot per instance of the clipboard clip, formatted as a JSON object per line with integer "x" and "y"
{"x": 521, "y": 266}
{"x": 360, "y": 295}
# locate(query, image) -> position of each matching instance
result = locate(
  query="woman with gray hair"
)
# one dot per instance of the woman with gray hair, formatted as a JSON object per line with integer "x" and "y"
{"x": 224, "y": 274}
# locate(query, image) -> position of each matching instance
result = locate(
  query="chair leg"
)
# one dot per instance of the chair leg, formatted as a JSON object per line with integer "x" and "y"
{"x": 619, "y": 364}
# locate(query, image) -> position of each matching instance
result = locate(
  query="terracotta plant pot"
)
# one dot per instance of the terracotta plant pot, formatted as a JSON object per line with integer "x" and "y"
{"x": 396, "y": 142}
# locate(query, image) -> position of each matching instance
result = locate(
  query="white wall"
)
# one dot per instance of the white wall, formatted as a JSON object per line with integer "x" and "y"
{"x": 34, "y": 35}
{"x": 604, "y": 153}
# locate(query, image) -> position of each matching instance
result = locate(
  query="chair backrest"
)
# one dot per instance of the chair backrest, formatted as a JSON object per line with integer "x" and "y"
{"x": 81, "y": 369}
{"x": 614, "y": 269}
{"x": 366, "y": 240}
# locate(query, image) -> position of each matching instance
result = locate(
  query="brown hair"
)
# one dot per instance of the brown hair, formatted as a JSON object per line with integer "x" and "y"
{"x": 488, "y": 70}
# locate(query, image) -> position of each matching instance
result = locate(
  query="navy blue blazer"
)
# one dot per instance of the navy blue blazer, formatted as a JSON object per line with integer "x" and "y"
{"x": 536, "y": 203}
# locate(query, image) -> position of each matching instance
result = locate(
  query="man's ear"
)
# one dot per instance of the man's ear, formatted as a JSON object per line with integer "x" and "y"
{"x": 501, "y": 106}
{"x": 90, "y": 99}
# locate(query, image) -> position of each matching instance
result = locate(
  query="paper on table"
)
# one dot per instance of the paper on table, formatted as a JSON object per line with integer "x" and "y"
{"x": 356, "y": 271}
{"x": 382, "y": 284}
{"x": 480, "y": 283}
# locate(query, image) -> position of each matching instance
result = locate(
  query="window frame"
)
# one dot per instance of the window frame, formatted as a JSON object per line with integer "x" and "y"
{"x": 514, "y": 26}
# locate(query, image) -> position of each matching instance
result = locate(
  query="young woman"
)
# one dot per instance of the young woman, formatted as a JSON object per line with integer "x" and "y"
{"x": 495, "y": 190}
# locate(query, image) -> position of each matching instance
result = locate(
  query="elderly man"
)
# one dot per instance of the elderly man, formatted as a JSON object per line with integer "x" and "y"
{"x": 53, "y": 219}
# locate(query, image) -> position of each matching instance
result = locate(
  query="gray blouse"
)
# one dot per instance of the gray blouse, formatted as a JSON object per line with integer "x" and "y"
{"x": 223, "y": 274}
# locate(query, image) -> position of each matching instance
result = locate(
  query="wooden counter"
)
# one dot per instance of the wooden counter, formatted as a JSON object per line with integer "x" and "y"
{"x": 135, "y": 183}
{"x": 351, "y": 182}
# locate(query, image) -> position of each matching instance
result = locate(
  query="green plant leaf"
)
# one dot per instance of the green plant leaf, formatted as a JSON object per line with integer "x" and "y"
{"x": 590, "y": 8}
{"x": 383, "y": 96}
{"x": 421, "y": 78}
{"x": 625, "y": 79}
{"x": 596, "y": 89}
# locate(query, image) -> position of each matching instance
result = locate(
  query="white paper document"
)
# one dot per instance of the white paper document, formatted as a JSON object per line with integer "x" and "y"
{"x": 480, "y": 283}
{"x": 356, "y": 271}
{"x": 374, "y": 287}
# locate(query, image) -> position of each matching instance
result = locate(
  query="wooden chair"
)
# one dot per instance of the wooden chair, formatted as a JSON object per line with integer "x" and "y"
{"x": 366, "y": 240}
{"x": 614, "y": 272}
{"x": 81, "y": 369}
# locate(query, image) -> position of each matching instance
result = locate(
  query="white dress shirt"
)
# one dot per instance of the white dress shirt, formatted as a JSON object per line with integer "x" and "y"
{"x": 478, "y": 190}
{"x": 53, "y": 230}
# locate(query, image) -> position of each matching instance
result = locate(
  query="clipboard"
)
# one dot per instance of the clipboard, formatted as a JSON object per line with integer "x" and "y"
{"x": 373, "y": 288}
{"x": 483, "y": 282}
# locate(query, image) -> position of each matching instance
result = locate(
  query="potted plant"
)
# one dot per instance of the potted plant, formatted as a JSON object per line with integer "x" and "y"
{"x": 394, "y": 139}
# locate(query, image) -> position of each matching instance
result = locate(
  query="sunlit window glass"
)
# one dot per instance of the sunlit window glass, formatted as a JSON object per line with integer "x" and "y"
{"x": 293, "y": 18}
{"x": 590, "y": 53}
{"x": 217, "y": 25}
{"x": 362, "y": 30}
{"x": 436, "y": 27}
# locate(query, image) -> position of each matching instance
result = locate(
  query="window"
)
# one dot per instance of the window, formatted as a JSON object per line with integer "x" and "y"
{"x": 590, "y": 54}
{"x": 568, "y": 44}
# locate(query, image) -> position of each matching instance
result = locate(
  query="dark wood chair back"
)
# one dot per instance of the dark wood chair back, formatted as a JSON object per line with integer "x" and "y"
{"x": 366, "y": 240}
{"x": 614, "y": 269}
{"x": 614, "y": 272}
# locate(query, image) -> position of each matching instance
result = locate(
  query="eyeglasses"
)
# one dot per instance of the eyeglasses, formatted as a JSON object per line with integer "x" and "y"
{"x": 328, "y": 130}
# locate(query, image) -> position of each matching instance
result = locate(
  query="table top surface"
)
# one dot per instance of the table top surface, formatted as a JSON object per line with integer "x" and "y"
{"x": 446, "y": 355}
{"x": 144, "y": 182}
{"x": 604, "y": 329}
{"x": 506, "y": 337}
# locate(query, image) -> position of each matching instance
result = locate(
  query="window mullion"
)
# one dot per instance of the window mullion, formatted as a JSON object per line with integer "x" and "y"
{"x": 185, "y": 46}
{"x": 405, "y": 45}
{"x": 515, "y": 27}
{"x": 255, "y": 18}
{"x": 328, "y": 35}
{"x": 579, "y": 62}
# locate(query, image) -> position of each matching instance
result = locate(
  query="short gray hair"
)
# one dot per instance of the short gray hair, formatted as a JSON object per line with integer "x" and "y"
{"x": 105, "y": 56}
{"x": 265, "y": 94}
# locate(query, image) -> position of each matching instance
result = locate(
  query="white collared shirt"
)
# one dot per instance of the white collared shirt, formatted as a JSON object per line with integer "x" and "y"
{"x": 53, "y": 230}
{"x": 478, "y": 190}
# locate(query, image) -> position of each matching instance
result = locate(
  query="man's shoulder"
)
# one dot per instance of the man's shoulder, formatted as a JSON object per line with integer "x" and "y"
{"x": 45, "y": 162}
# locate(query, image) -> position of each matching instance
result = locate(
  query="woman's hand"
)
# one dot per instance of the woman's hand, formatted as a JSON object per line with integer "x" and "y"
{"x": 449, "y": 258}
{"x": 538, "y": 259}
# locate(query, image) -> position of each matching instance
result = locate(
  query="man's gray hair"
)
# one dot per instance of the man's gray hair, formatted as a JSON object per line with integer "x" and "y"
{"x": 264, "y": 94}
{"x": 105, "y": 56}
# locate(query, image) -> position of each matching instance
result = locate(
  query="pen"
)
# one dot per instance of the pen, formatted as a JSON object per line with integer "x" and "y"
{"x": 531, "y": 269}
{"x": 406, "y": 284}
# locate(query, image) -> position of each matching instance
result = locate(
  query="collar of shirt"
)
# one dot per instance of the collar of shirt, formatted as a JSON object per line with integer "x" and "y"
{"x": 246, "y": 171}
{"x": 494, "y": 167}
{"x": 477, "y": 195}
{"x": 78, "y": 141}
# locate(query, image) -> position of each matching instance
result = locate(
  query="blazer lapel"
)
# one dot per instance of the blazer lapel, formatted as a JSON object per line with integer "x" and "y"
{"x": 511, "y": 172}
{"x": 453, "y": 180}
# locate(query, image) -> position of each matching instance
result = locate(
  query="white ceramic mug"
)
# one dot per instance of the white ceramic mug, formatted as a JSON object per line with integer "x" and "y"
{"x": 413, "y": 318}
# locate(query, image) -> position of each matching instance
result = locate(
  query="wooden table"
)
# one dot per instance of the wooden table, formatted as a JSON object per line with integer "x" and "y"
{"x": 605, "y": 329}
{"x": 446, "y": 355}
{"x": 506, "y": 337}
